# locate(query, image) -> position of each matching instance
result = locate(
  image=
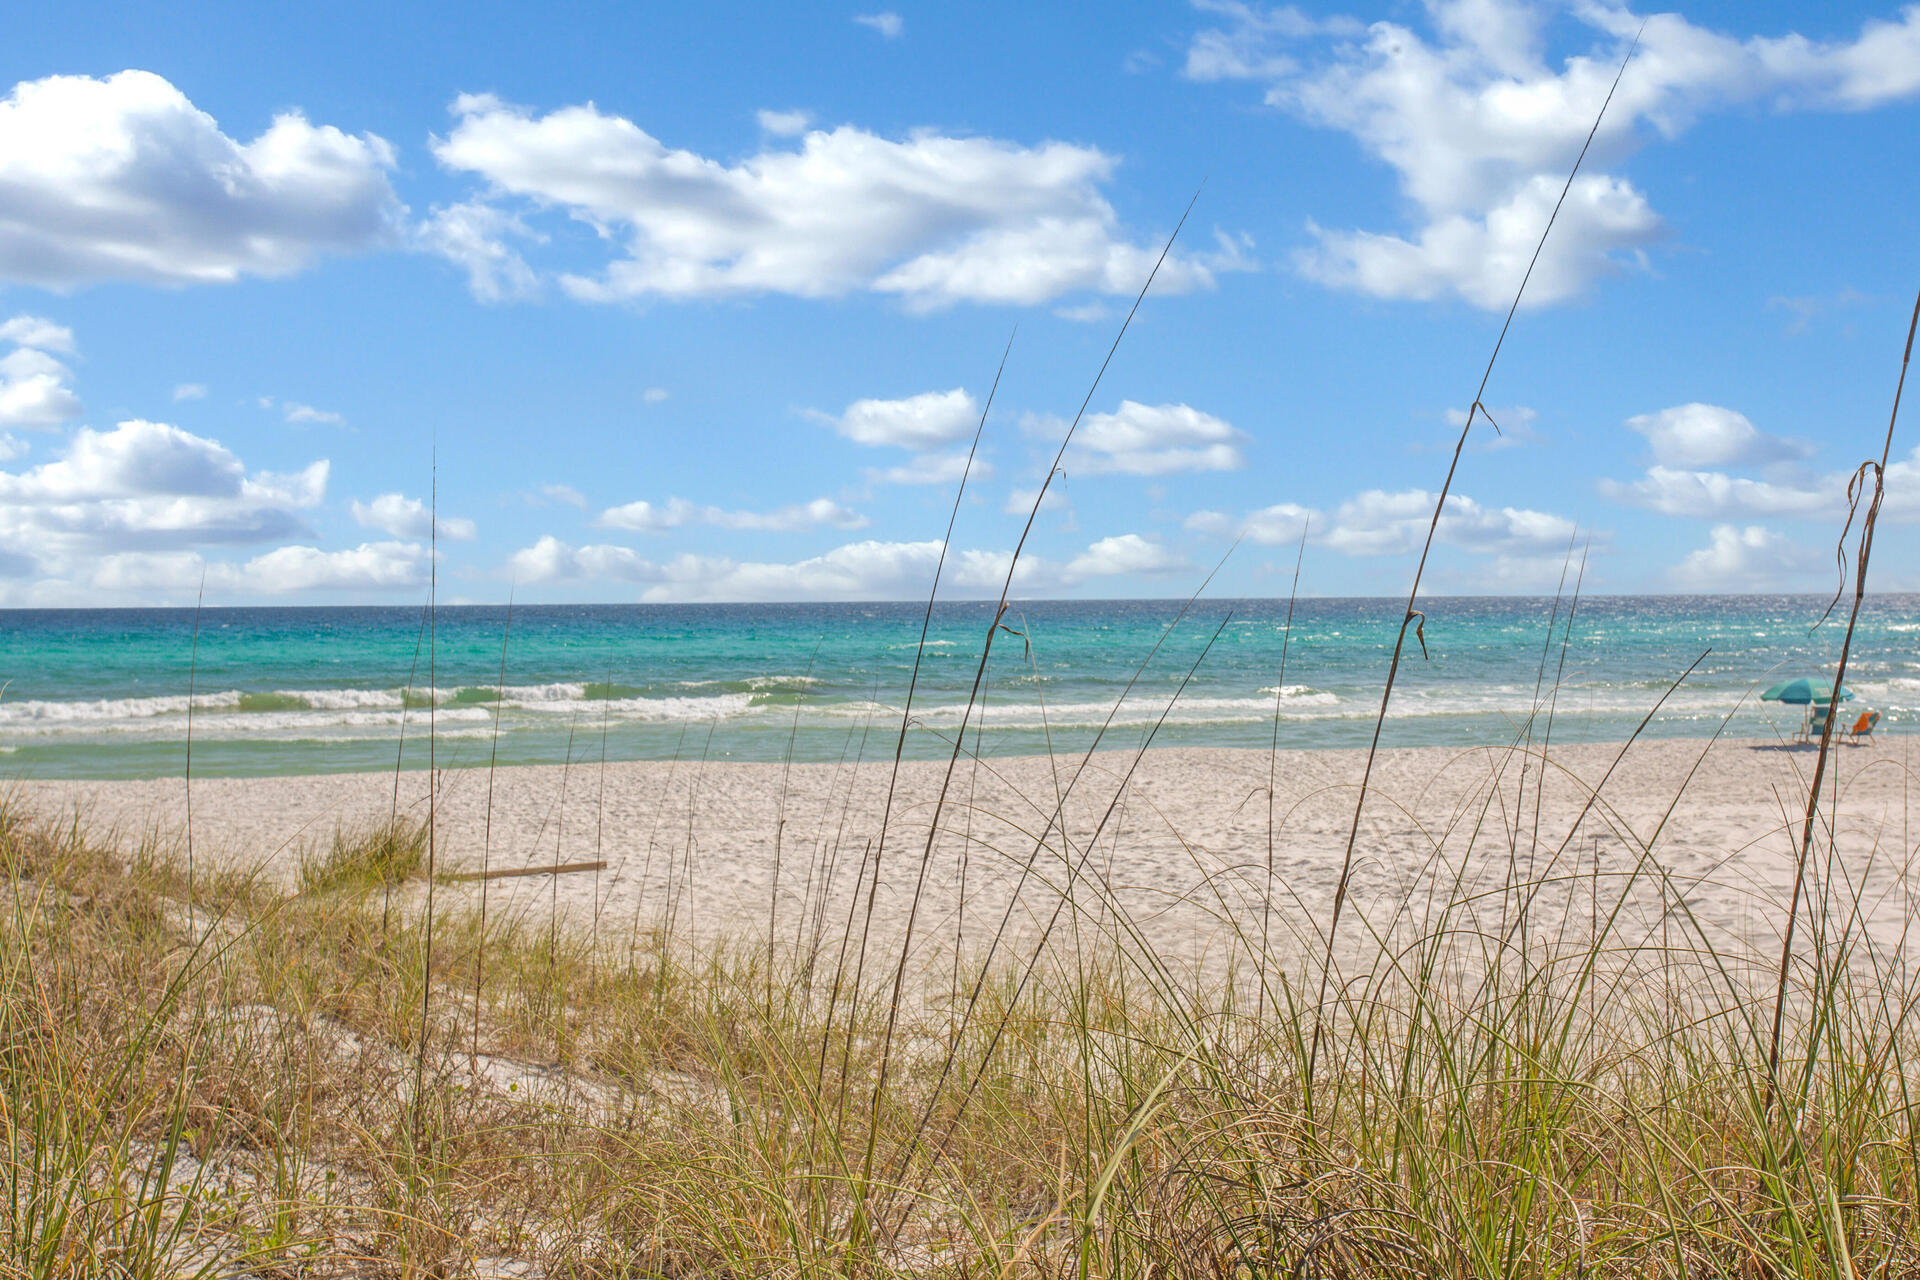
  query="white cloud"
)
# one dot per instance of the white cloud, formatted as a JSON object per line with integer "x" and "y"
{"x": 784, "y": 124}
{"x": 307, "y": 413}
{"x": 473, "y": 236}
{"x": 1086, "y": 313}
{"x": 1482, "y": 257}
{"x": 124, "y": 179}
{"x": 1129, "y": 553}
{"x": 289, "y": 570}
{"x": 926, "y": 421}
{"x": 856, "y": 571}
{"x": 1676, "y": 491}
{"x": 931, "y": 468}
{"x": 371, "y": 565}
{"x": 655, "y": 395}
{"x": 1149, "y": 440}
{"x": 1707, "y": 435}
{"x": 1020, "y": 501}
{"x": 35, "y": 390}
{"x": 1901, "y": 500}
{"x": 146, "y": 486}
{"x": 869, "y": 570}
{"x": 11, "y": 447}
{"x": 1787, "y": 491}
{"x": 1249, "y": 46}
{"x": 931, "y": 218}
{"x": 1540, "y": 574}
{"x": 860, "y": 570}
{"x": 1481, "y": 127}
{"x": 645, "y": 517}
{"x": 1042, "y": 260}
{"x": 1214, "y": 524}
{"x": 405, "y": 517}
{"x": 548, "y": 560}
{"x": 310, "y": 568}
{"x": 148, "y": 477}
{"x": 1807, "y": 308}
{"x": 565, "y": 494}
{"x": 190, "y": 391}
{"x": 1378, "y": 523}
{"x": 38, "y": 332}
{"x": 888, "y": 24}
{"x": 1753, "y": 558}
{"x": 551, "y": 560}
{"x": 1690, "y": 442}
{"x": 799, "y": 515}
{"x": 1277, "y": 525}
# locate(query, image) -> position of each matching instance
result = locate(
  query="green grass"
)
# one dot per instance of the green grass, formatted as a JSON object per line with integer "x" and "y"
{"x": 379, "y": 859}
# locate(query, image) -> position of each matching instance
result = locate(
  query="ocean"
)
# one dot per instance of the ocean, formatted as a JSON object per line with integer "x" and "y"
{"x": 104, "y": 693}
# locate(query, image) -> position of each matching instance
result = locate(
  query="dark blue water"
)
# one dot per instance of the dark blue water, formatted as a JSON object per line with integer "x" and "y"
{"x": 103, "y": 693}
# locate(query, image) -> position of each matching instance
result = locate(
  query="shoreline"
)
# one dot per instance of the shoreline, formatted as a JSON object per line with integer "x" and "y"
{"x": 1181, "y": 850}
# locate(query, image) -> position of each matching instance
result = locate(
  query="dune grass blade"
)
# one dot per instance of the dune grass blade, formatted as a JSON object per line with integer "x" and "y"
{"x": 779, "y": 825}
{"x": 1412, "y": 616}
{"x": 433, "y": 795}
{"x": 599, "y": 831}
{"x": 1056, "y": 820}
{"x": 1553, "y": 701}
{"x": 986, "y": 653}
{"x": 906, "y": 719}
{"x": 400, "y": 751}
{"x": 1879, "y": 470}
{"x": 1273, "y": 756}
{"x": 1065, "y": 898}
{"x": 186, "y": 780}
{"x": 382, "y": 858}
{"x": 1526, "y": 739}
{"x": 486, "y": 826}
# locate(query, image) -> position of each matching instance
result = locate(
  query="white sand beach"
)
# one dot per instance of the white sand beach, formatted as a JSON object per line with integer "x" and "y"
{"x": 1182, "y": 850}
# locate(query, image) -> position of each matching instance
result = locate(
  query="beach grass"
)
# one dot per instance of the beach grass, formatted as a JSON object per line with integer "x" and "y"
{"x": 240, "y": 1085}
{"x": 377, "y": 859}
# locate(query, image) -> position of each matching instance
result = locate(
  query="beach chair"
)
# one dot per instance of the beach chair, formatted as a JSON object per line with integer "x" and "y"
{"x": 1818, "y": 713}
{"x": 1862, "y": 730}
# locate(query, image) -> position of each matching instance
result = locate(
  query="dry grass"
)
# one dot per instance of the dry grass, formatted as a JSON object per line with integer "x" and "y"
{"x": 231, "y": 1090}
{"x": 382, "y": 859}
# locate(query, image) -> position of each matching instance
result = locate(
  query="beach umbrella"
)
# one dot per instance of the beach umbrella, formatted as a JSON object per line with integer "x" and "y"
{"x": 1804, "y": 690}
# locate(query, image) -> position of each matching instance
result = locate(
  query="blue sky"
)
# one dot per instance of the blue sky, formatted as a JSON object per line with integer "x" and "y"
{"x": 704, "y": 303}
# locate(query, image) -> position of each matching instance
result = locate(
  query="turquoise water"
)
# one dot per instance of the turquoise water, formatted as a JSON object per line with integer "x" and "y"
{"x": 103, "y": 693}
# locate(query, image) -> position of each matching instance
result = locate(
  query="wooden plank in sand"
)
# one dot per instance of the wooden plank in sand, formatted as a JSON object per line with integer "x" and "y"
{"x": 503, "y": 873}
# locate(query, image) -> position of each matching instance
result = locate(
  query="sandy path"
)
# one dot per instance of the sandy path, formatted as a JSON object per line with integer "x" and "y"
{"x": 1184, "y": 850}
